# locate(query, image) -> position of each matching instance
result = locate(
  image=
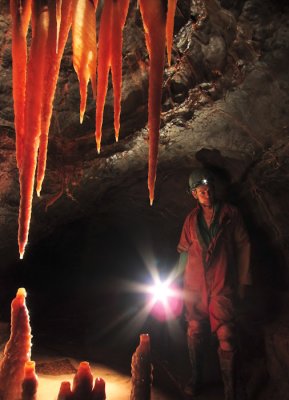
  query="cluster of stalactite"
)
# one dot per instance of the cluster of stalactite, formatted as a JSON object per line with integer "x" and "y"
{"x": 95, "y": 53}
{"x": 19, "y": 381}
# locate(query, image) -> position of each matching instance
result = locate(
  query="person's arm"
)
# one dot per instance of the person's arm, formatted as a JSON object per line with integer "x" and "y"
{"x": 182, "y": 263}
{"x": 183, "y": 247}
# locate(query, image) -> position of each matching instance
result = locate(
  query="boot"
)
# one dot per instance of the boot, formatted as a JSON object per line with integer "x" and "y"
{"x": 234, "y": 387}
{"x": 227, "y": 365}
{"x": 195, "y": 346}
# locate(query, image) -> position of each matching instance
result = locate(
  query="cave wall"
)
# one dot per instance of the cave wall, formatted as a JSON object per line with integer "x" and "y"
{"x": 225, "y": 105}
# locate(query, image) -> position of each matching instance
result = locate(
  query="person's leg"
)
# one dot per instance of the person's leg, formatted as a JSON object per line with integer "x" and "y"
{"x": 230, "y": 364}
{"x": 195, "y": 339}
{"x": 227, "y": 359}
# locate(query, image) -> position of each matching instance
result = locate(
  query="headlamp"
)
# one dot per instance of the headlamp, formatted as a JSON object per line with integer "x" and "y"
{"x": 203, "y": 181}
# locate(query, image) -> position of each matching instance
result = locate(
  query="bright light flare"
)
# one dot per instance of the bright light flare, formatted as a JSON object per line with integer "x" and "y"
{"x": 160, "y": 298}
{"x": 165, "y": 300}
{"x": 160, "y": 292}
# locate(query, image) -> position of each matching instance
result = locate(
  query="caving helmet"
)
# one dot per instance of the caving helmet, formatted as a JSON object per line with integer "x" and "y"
{"x": 200, "y": 176}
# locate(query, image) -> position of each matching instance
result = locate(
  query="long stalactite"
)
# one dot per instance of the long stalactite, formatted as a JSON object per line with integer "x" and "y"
{"x": 20, "y": 12}
{"x": 154, "y": 20}
{"x": 32, "y": 117}
{"x": 57, "y": 37}
{"x": 84, "y": 47}
{"x": 34, "y": 81}
{"x": 110, "y": 57}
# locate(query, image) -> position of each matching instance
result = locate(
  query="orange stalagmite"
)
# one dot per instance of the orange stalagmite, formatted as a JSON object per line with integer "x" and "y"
{"x": 141, "y": 370}
{"x": 98, "y": 391}
{"x": 112, "y": 22}
{"x": 30, "y": 382}
{"x": 65, "y": 392}
{"x": 83, "y": 381}
{"x": 154, "y": 20}
{"x": 21, "y": 12}
{"x": 32, "y": 122}
{"x": 17, "y": 350}
{"x": 84, "y": 47}
{"x": 51, "y": 72}
{"x": 170, "y": 27}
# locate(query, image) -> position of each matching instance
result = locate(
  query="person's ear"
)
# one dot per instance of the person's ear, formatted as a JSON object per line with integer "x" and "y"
{"x": 194, "y": 194}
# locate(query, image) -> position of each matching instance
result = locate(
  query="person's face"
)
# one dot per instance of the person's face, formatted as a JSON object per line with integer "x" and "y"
{"x": 205, "y": 195}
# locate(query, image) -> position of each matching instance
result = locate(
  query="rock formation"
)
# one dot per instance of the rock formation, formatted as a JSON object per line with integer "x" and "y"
{"x": 225, "y": 100}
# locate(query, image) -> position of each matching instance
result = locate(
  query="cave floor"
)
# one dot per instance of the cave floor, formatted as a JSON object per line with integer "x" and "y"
{"x": 104, "y": 331}
{"x": 61, "y": 340}
{"x": 52, "y": 370}
{"x": 54, "y": 366}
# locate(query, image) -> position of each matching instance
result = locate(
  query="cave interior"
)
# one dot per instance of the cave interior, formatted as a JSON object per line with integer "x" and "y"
{"x": 93, "y": 232}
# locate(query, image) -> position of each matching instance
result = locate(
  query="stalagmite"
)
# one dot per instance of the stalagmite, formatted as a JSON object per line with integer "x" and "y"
{"x": 98, "y": 391}
{"x": 154, "y": 20}
{"x": 32, "y": 123}
{"x": 55, "y": 48}
{"x": 84, "y": 47}
{"x": 65, "y": 392}
{"x": 82, "y": 388}
{"x": 82, "y": 382}
{"x": 113, "y": 18}
{"x": 170, "y": 27}
{"x": 21, "y": 12}
{"x": 17, "y": 350}
{"x": 30, "y": 382}
{"x": 141, "y": 370}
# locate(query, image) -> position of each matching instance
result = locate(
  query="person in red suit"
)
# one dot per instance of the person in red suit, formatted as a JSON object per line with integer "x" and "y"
{"x": 214, "y": 250}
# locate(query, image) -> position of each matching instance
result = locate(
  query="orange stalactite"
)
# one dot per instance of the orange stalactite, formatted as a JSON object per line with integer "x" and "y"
{"x": 21, "y": 12}
{"x": 51, "y": 22}
{"x": 104, "y": 51}
{"x": 119, "y": 14}
{"x": 84, "y": 47}
{"x": 154, "y": 20}
{"x": 170, "y": 27}
{"x": 58, "y": 21}
{"x": 32, "y": 122}
{"x": 30, "y": 382}
{"x": 112, "y": 22}
{"x": 17, "y": 350}
{"x": 51, "y": 72}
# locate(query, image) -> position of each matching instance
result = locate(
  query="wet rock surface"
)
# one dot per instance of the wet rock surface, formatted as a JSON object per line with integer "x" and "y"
{"x": 225, "y": 105}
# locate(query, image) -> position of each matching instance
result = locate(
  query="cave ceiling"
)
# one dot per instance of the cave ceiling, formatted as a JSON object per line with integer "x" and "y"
{"x": 225, "y": 104}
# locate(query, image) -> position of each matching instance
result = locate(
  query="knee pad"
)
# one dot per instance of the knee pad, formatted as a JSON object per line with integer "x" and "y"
{"x": 194, "y": 328}
{"x": 225, "y": 334}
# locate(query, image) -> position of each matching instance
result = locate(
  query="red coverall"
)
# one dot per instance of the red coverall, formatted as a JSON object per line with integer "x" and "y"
{"x": 213, "y": 272}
